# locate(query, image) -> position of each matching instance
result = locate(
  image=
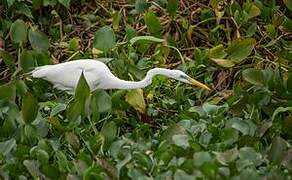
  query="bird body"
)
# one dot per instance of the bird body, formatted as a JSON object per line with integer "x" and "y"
{"x": 65, "y": 76}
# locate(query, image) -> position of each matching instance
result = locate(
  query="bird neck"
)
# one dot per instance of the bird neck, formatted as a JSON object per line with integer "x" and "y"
{"x": 122, "y": 84}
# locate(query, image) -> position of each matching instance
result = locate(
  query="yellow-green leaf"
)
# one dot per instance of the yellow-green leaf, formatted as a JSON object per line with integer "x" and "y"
{"x": 217, "y": 52}
{"x": 224, "y": 62}
{"x": 136, "y": 99}
{"x": 240, "y": 49}
{"x": 288, "y": 3}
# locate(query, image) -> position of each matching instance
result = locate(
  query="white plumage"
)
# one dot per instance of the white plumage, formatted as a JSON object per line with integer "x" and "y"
{"x": 65, "y": 76}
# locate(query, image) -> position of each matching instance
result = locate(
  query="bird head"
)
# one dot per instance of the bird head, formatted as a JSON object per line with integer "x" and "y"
{"x": 183, "y": 77}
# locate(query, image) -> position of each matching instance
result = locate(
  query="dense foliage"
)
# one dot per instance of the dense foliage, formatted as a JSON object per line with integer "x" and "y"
{"x": 241, "y": 129}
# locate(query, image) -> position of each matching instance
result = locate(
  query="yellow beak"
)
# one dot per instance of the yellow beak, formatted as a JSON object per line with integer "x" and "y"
{"x": 198, "y": 84}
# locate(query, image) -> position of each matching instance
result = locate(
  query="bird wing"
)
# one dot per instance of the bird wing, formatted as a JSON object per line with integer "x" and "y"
{"x": 66, "y": 76}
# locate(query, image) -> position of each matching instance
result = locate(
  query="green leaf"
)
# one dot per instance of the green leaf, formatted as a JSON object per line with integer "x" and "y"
{"x": 108, "y": 131}
{"x": 253, "y": 76}
{"x": 73, "y": 44}
{"x": 252, "y": 10}
{"x": 38, "y": 40}
{"x": 82, "y": 90}
{"x": 136, "y": 99}
{"x": 200, "y": 158}
{"x": 104, "y": 39}
{"x": 248, "y": 156}
{"x": 152, "y": 23}
{"x": 141, "y": 5}
{"x": 224, "y": 62}
{"x": 116, "y": 20}
{"x": 288, "y": 4}
{"x": 27, "y": 60}
{"x": 7, "y": 91}
{"x": 181, "y": 140}
{"x": 246, "y": 127}
{"x": 65, "y": 3}
{"x": 102, "y": 100}
{"x": 29, "y": 108}
{"x": 240, "y": 49}
{"x": 145, "y": 38}
{"x": 7, "y": 146}
{"x": 278, "y": 150}
{"x": 217, "y": 52}
{"x": 172, "y": 7}
{"x": 18, "y": 31}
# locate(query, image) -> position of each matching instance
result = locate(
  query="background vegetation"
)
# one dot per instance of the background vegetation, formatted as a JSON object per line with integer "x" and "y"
{"x": 242, "y": 129}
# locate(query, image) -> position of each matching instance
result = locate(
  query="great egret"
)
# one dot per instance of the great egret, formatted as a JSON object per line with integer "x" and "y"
{"x": 65, "y": 76}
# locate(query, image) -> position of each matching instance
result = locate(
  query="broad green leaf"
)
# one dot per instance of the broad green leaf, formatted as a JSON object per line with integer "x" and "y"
{"x": 288, "y": 3}
{"x": 109, "y": 132}
{"x": 152, "y": 23}
{"x": 102, "y": 100}
{"x": 38, "y": 40}
{"x": 248, "y": 156}
{"x": 33, "y": 58}
{"x": 224, "y": 62}
{"x": 18, "y": 31}
{"x": 278, "y": 150}
{"x": 217, "y": 52}
{"x": 65, "y": 3}
{"x": 172, "y": 6}
{"x": 27, "y": 60}
{"x": 253, "y": 76}
{"x": 136, "y": 99}
{"x": 228, "y": 136}
{"x": 240, "y": 49}
{"x": 7, "y": 146}
{"x": 181, "y": 140}
{"x": 82, "y": 90}
{"x": 146, "y": 38}
{"x": 7, "y": 91}
{"x": 200, "y": 158}
{"x": 29, "y": 108}
{"x": 246, "y": 127}
{"x": 104, "y": 39}
{"x": 141, "y": 5}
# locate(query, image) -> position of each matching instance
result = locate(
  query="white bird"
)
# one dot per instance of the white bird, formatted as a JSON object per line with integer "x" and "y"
{"x": 65, "y": 76}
